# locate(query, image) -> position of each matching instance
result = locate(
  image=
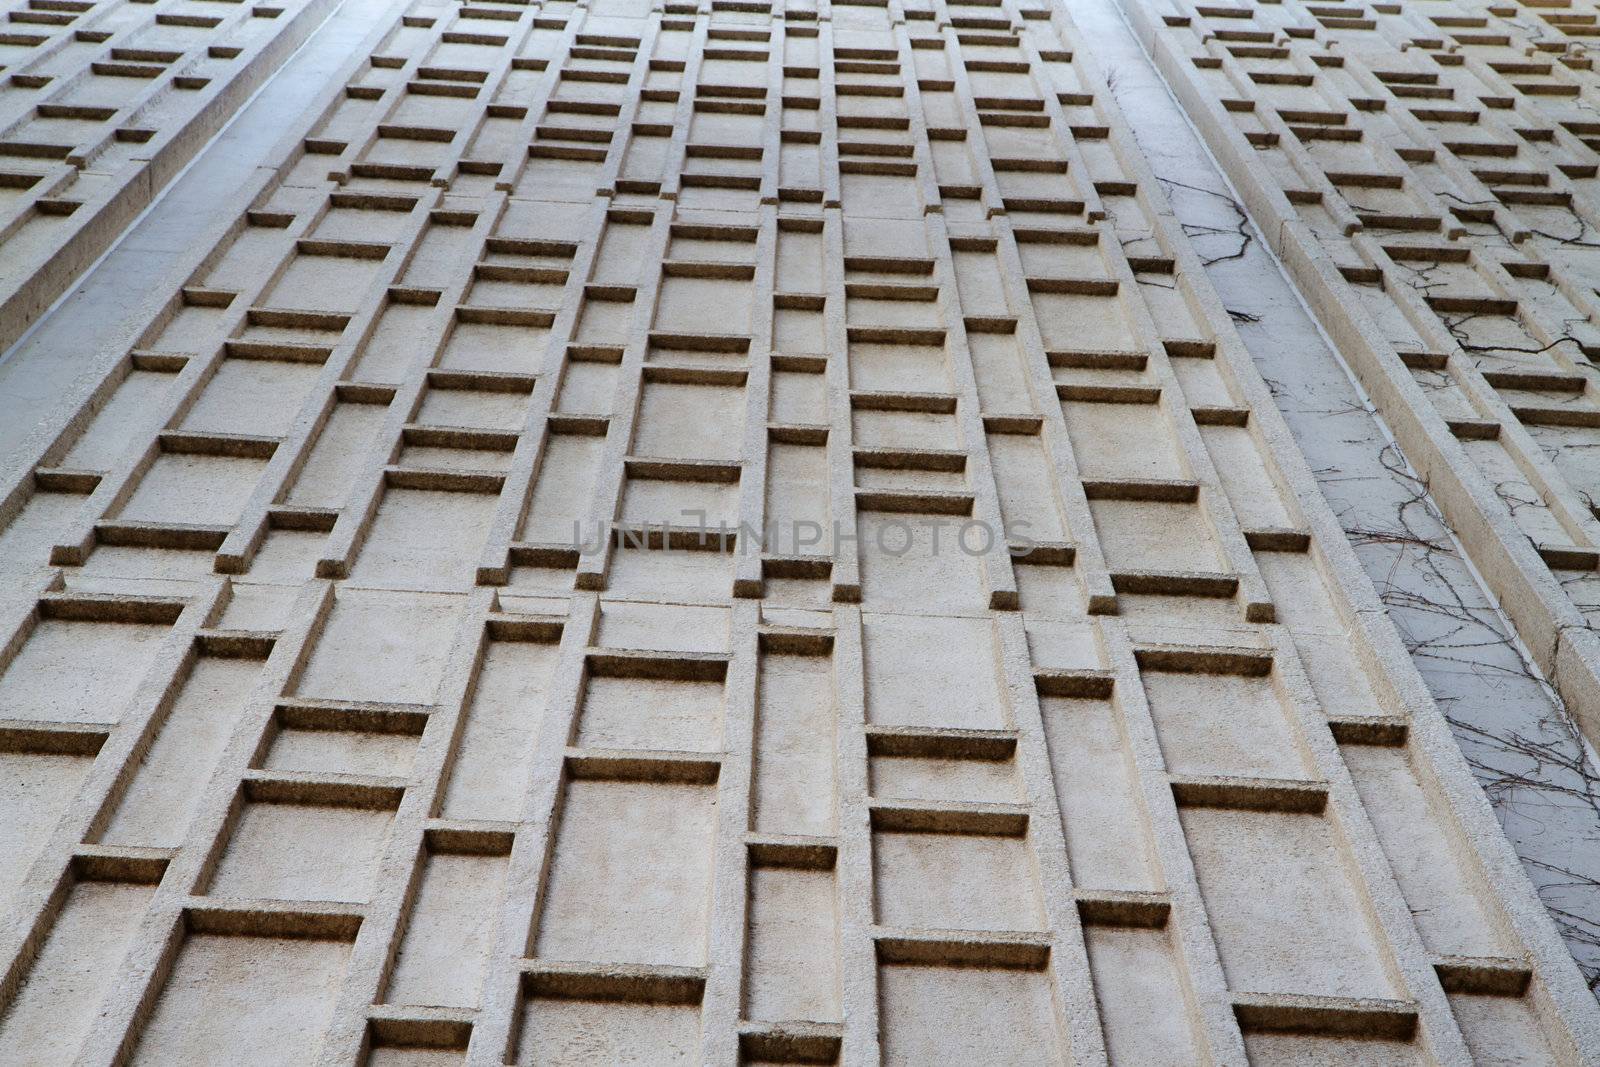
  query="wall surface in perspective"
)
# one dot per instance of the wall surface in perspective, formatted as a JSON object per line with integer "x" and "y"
{"x": 729, "y": 533}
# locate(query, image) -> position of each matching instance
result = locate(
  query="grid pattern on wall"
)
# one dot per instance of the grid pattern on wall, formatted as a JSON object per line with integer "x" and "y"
{"x": 332, "y": 731}
{"x": 1427, "y": 173}
{"x": 101, "y": 104}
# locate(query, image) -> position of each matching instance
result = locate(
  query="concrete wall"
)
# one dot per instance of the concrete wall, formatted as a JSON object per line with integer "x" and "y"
{"x": 718, "y": 535}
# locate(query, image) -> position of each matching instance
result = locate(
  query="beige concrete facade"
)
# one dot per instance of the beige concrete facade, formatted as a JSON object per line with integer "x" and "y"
{"x": 628, "y": 533}
{"x": 1427, "y": 173}
{"x": 103, "y": 104}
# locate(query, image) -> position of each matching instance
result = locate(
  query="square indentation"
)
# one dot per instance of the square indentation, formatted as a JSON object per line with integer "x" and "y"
{"x": 195, "y": 489}
{"x": 255, "y": 396}
{"x": 905, "y": 429}
{"x": 712, "y": 506}
{"x": 663, "y": 627}
{"x": 35, "y": 791}
{"x": 1152, "y": 535}
{"x": 244, "y": 1000}
{"x": 955, "y": 881}
{"x": 656, "y": 713}
{"x": 931, "y": 671}
{"x": 425, "y": 539}
{"x": 899, "y": 367}
{"x": 690, "y": 421}
{"x": 449, "y": 933}
{"x": 1122, "y": 440}
{"x": 662, "y": 573}
{"x": 793, "y": 970}
{"x": 380, "y": 646}
{"x": 302, "y": 852}
{"x": 966, "y": 1015}
{"x": 70, "y": 671}
{"x": 559, "y": 1031}
{"x": 630, "y": 875}
{"x": 476, "y": 408}
{"x": 1223, "y": 724}
{"x": 341, "y": 752}
{"x": 917, "y": 778}
{"x": 1271, "y": 879}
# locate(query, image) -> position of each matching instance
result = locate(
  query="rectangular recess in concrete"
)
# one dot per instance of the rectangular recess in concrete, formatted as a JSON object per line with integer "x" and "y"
{"x": 302, "y": 852}
{"x": 653, "y": 840}
{"x": 929, "y": 1012}
{"x": 58, "y": 1001}
{"x": 1139, "y": 991}
{"x": 793, "y": 969}
{"x": 250, "y": 1001}
{"x": 71, "y": 671}
{"x": 447, "y": 932}
{"x": 158, "y": 805}
{"x": 1298, "y": 891}
{"x": 489, "y": 775}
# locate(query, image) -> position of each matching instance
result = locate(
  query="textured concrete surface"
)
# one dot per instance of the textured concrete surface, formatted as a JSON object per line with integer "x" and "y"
{"x": 720, "y": 534}
{"x": 104, "y": 103}
{"x": 1523, "y": 745}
